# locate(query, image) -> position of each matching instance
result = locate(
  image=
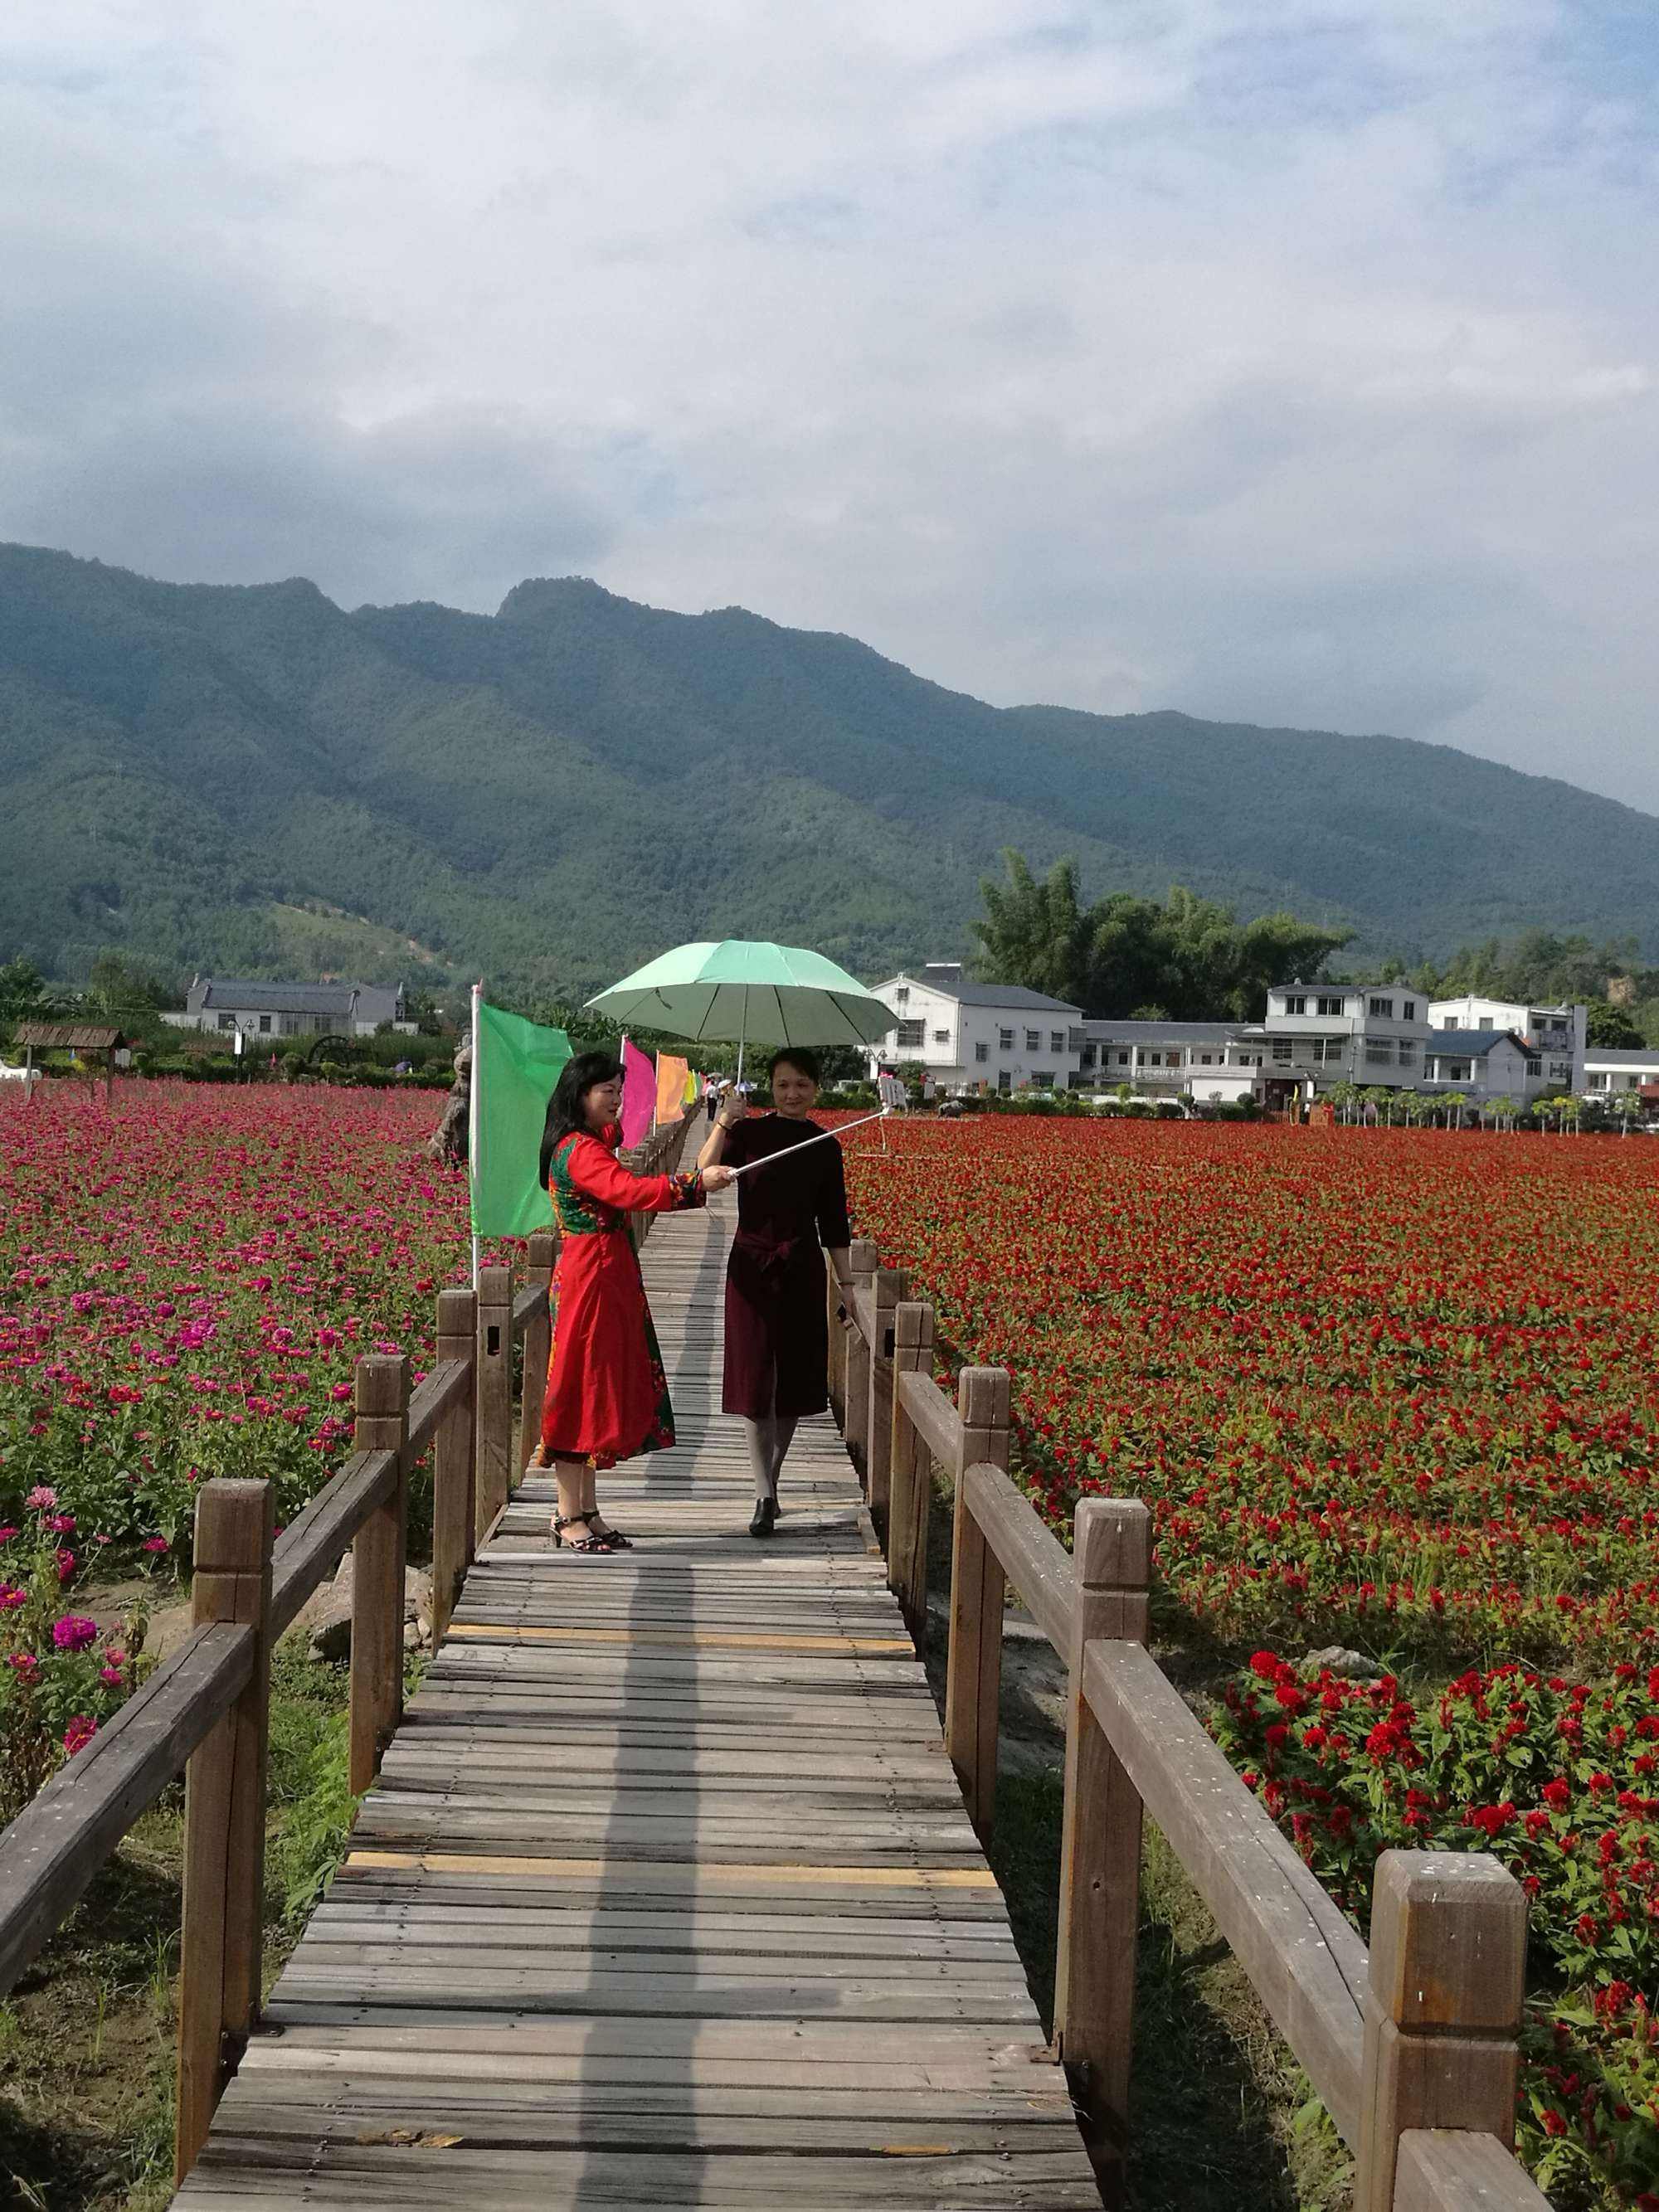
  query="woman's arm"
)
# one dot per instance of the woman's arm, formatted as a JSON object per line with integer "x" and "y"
{"x": 713, "y": 1148}
{"x": 598, "y": 1176}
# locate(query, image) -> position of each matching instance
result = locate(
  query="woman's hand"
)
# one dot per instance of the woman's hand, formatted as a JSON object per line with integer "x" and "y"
{"x": 733, "y": 1111}
{"x": 717, "y": 1178}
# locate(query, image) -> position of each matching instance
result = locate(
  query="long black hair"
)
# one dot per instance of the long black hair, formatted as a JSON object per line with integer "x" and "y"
{"x": 565, "y": 1108}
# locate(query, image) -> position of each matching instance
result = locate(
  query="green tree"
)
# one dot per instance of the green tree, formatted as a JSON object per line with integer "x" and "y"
{"x": 1032, "y": 932}
{"x": 23, "y": 990}
{"x": 1611, "y": 1027}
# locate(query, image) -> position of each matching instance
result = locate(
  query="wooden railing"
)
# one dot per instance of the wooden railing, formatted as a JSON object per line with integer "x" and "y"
{"x": 1411, "y": 2045}
{"x": 204, "y": 1711}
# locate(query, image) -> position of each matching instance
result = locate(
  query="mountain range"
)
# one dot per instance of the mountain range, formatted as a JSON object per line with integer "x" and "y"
{"x": 254, "y": 780}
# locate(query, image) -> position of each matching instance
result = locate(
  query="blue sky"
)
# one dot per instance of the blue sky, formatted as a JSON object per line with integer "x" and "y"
{"x": 1279, "y": 363}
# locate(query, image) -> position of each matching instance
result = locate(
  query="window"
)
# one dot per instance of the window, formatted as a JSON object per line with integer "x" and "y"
{"x": 1207, "y": 1058}
{"x": 902, "y": 996}
{"x": 1449, "y": 1022}
{"x": 1534, "y": 1067}
{"x": 1086, "y": 1056}
{"x": 1408, "y": 1009}
{"x": 1042, "y": 1079}
{"x": 1004, "y": 1081}
{"x": 941, "y": 1037}
{"x": 981, "y": 1053}
{"x": 911, "y": 1036}
{"x": 1407, "y": 1052}
{"x": 1154, "y": 1059}
{"x": 1074, "y": 1040}
{"x": 1056, "y": 1040}
{"x": 1328, "y": 1007}
{"x": 1382, "y": 1008}
{"x": 227, "y": 1021}
{"x": 1591, "y": 1082}
{"x": 1485, "y": 1022}
{"x": 1123, "y": 1060}
{"x": 1005, "y": 1040}
{"x": 1561, "y": 1071}
{"x": 1457, "y": 1071}
{"x": 264, "y": 1024}
{"x": 1379, "y": 1053}
{"x": 1296, "y": 1006}
{"x": 1034, "y": 1040}
{"x": 1281, "y": 1050}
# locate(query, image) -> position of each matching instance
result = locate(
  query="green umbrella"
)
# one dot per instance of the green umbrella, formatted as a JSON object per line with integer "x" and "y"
{"x": 737, "y": 993}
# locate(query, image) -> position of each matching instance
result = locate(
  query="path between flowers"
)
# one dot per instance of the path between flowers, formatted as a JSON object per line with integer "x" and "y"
{"x": 665, "y": 1895}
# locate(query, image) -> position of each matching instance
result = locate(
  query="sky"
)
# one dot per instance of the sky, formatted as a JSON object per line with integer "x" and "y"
{"x": 1279, "y": 363}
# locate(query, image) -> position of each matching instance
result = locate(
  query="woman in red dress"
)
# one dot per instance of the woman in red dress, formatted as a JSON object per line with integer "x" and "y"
{"x": 607, "y": 1396}
{"x": 790, "y": 1213}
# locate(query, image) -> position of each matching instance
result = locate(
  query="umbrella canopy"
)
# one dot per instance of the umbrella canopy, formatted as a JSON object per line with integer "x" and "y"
{"x": 736, "y": 992}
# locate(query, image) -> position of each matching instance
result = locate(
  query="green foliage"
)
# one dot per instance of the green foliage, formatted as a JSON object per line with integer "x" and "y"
{"x": 1183, "y": 958}
{"x": 1540, "y": 964}
{"x": 1612, "y": 1027}
{"x": 256, "y": 781}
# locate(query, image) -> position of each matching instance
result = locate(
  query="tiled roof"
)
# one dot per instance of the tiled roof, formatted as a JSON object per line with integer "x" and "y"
{"x": 1470, "y": 1044}
{"x": 967, "y": 993}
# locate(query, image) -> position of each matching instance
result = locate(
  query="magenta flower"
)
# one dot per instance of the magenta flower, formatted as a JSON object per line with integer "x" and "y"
{"x": 156, "y": 1544}
{"x": 41, "y": 1499}
{"x": 74, "y": 1631}
{"x": 11, "y": 1597}
{"x": 79, "y": 1733}
{"x": 6, "y": 1536}
{"x": 111, "y": 1674}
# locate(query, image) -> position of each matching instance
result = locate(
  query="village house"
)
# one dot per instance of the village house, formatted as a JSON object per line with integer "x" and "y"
{"x": 1555, "y": 1035}
{"x": 967, "y": 1036}
{"x": 227, "y": 1006}
{"x": 1612, "y": 1072}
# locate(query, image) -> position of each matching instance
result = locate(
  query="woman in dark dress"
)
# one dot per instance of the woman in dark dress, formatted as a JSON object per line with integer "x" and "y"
{"x": 790, "y": 1213}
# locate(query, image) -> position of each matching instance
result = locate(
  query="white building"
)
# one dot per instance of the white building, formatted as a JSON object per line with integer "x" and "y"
{"x": 225, "y": 1006}
{"x": 1207, "y": 1061}
{"x": 969, "y": 1036}
{"x": 1555, "y": 1035}
{"x": 1612, "y": 1073}
{"x": 1482, "y": 1065}
{"x": 1316, "y": 1035}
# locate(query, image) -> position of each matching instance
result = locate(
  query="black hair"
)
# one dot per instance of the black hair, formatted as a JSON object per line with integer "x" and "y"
{"x": 793, "y": 1056}
{"x": 565, "y": 1108}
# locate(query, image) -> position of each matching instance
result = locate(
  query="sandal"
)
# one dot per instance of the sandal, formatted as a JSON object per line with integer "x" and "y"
{"x": 588, "y": 1543}
{"x": 612, "y": 1539}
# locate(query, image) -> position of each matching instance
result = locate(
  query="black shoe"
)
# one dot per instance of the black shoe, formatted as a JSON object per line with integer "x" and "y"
{"x": 765, "y": 1517}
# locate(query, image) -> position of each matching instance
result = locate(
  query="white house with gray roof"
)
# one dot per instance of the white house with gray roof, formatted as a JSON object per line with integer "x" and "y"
{"x": 966, "y": 1034}
{"x": 225, "y": 1006}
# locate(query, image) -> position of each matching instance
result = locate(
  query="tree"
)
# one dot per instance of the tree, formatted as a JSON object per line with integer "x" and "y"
{"x": 23, "y": 990}
{"x": 119, "y": 989}
{"x": 1456, "y": 1105}
{"x": 1033, "y": 932}
{"x": 1611, "y": 1027}
{"x": 1344, "y": 1097}
{"x": 1627, "y": 1107}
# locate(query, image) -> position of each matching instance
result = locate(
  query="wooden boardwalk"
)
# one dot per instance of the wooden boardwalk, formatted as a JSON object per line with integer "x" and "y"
{"x": 665, "y": 1895}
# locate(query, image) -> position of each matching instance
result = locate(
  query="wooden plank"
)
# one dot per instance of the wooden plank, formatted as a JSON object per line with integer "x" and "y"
{"x": 1307, "y": 1964}
{"x": 1030, "y": 1555}
{"x": 317, "y": 1539}
{"x": 377, "y": 1570}
{"x": 934, "y": 1419}
{"x": 1456, "y": 2170}
{"x": 446, "y": 1386}
{"x": 453, "y": 1470}
{"x": 492, "y": 1397}
{"x": 51, "y": 1850}
{"x": 974, "y": 1671}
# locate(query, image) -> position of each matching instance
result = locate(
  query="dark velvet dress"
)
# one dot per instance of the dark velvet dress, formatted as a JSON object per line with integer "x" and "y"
{"x": 777, "y": 1331}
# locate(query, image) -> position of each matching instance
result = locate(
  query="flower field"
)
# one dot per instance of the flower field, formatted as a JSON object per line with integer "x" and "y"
{"x": 1400, "y": 1391}
{"x": 184, "y": 1289}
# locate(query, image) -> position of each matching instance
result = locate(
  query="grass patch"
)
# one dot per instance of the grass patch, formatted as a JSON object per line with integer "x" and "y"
{"x": 87, "y": 2039}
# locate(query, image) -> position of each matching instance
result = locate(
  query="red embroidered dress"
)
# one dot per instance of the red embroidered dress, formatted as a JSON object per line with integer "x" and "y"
{"x": 607, "y": 1395}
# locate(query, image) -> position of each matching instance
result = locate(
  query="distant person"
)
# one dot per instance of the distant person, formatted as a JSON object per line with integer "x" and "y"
{"x": 711, "y": 1099}
{"x": 607, "y": 1395}
{"x": 790, "y": 1214}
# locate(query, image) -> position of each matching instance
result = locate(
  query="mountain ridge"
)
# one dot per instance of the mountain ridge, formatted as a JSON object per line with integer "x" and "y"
{"x": 550, "y": 792}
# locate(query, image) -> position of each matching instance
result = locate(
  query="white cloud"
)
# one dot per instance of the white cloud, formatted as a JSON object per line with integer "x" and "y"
{"x": 1278, "y": 360}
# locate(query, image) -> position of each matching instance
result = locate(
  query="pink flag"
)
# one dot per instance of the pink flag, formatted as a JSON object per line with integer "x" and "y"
{"x": 639, "y": 1094}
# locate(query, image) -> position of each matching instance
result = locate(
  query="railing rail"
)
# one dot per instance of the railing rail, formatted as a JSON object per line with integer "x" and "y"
{"x": 1410, "y": 2046}
{"x": 204, "y": 1712}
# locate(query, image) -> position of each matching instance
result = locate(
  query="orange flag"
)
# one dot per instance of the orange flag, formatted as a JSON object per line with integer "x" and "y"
{"x": 670, "y": 1088}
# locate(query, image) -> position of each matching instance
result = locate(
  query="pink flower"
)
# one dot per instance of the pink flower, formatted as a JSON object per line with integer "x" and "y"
{"x": 41, "y": 1499}
{"x": 11, "y": 1597}
{"x": 112, "y": 1674}
{"x": 74, "y": 1632}
{"x": 79, "y": 1733}
{"x": 6, "y": 1536}
{"x": 155, "y": 1544}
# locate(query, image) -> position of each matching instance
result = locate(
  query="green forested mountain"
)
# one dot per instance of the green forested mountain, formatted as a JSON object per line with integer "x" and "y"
{"x": 254, "y": 780}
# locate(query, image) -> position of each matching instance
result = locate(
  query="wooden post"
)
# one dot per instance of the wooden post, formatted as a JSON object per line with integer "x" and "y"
{"x": 222, "y": 1939}
{"x": 974, "y": 1676}
{"x": 891, "y": 1283}
{"x": 1448, "y": 1964}
{"x": 453, "y": 1461}
{"x": 1100, "y": 1842}
{"x": 538, "y": 1344}
{"x": 910, "y": 1475}
{"x": 377, "y": 1571}
{"x": 834, "y": 1301}
{"x": 492, "y": 1372}
{"x": 861, "y": 1265}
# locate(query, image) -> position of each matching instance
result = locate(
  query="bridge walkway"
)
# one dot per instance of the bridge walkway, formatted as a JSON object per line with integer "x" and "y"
{"x": 665, "y": 1895}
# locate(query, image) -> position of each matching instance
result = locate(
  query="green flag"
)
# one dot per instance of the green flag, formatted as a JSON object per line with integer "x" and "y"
{"x": 516, "y": 1064}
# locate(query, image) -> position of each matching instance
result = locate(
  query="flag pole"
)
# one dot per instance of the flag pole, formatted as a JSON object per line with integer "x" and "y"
{"x": 472, "y": 1124}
